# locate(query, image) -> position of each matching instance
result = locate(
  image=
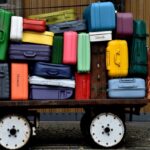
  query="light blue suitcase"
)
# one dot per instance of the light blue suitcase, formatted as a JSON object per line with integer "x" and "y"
{"x": 100, "y": 16}
{"x": 126, "y": 88}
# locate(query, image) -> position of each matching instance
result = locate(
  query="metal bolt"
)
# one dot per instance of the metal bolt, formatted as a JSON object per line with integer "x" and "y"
{"x": 102, "y": 126}
{"x": 102, "y": 132}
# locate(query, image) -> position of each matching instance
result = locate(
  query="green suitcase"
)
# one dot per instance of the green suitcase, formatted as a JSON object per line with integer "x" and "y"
{"x": 138, "y": 52}
{"x": 5, "y": 19}
{"x": 57, "y": 52}
{"x": 84, "y": 53}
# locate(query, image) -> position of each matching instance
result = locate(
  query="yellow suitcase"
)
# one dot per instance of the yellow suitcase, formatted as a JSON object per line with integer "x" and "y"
{"x": 56, "y": 17}
{"x": 117, "y": 58}
{"x": 45, "y": 38}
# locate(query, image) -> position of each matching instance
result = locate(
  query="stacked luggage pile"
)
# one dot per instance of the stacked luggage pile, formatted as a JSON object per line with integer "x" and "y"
{"x": 55, "y": 56}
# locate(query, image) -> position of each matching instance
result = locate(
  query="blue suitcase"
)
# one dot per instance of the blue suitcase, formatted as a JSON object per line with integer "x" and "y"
{"x": 100, "y": 16}
{"x": 126, "y": 88}
{"x": 48, "y": 70}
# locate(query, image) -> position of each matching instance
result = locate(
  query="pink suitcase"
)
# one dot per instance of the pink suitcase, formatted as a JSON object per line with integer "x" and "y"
{"x": 70, "y": 47}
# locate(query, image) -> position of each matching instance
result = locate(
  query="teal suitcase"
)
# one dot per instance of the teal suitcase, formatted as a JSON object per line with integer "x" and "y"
{"x": 5, "y": 19}
{"x": 84, "y": 53}
{"x": 57, "y": 52}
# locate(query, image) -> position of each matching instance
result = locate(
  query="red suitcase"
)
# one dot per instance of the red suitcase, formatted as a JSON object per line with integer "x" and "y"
{"x": 34, "y": 25}
{"x": 70, "y": 47}
{"x": 82, "y": 90}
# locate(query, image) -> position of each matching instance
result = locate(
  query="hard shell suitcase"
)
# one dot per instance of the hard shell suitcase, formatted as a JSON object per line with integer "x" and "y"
{"x": 124, "y": 27}
{"x": 56, "y": 17}
{"x": 34, "y": 25}
{"x": 19, "y": 81}
{"x": 98, "y": 70}
{"x": 82, "y": 90}
{"x": 16, "y": 29}
{"x": 100, "y": 16}
{"x": 138, "y": 52}
{"x": 57, "y": 51}
{"x": 4, "y": 81}
{"x": 50, "y": 92}
{"x": 32, "y": 52}
{"x": 84, "y": 53}
{"x": 70, "y": 47}
{"x": 126, "y": 88}
{"x": 78, "y": 25}
{"x": 117, "y": 58}
{"x": 5, "y": 18}
{"x": 45, "y": 38}
{"x": 47, "y": 70}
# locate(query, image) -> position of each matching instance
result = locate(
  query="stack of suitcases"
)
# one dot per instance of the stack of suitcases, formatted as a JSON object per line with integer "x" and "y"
{"x": 55, "y": 56}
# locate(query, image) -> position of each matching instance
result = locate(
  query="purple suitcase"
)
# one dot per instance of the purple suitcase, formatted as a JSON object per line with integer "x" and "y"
{"x": 49, "y": 92}
{"x": 33, "y": 52}
{"x": 124, "y": 24}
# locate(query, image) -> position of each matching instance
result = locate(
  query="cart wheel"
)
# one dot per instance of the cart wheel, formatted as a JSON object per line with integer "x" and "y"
{"x": 15, "y": 132}
{"x": 107, "y": 130}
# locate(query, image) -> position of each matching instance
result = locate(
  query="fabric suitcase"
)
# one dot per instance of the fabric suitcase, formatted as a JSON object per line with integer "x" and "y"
{"x": 124, "y": 27}
{"x": 138, "y": 52}
{"x": 56, "y": 17}
{"x": 84, "y": 53}
{"x": 32, "y": 52}
{"x": 52, "y": 82}
{"x": 5, "y": 19}
{"x": 70, "y": 47}
{"x": 49, "y": 92}
{"x": 48, "y": 70}
{"x": 4, "y": 81}
{"x": 117, "y": 58}
{"x": 78, "y": 25}
{"x": 57, "y": 52}
{"x": 45, "y": 38}
{"x": 16, "y": 29}
{"x": 82, "y": 90}
{"x": 100, "y": 16}
{"x": 98, "y": 70}
{"x": 126, "y": 88}
{"x": 34, "y": 25}
{"x": 19, "y": 81}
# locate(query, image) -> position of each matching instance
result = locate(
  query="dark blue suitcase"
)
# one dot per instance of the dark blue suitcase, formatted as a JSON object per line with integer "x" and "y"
{"x": 100, "y": 16}
{"x": 47, "y": 70}
{"x": 30, "y": 52}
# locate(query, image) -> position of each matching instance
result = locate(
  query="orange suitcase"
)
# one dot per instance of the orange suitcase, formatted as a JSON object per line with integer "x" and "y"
{"x": 19, "y": 81}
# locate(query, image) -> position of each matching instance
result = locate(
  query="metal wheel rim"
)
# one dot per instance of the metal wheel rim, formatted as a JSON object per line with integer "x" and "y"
{"x": 15, "y": 132}
{"x": 107, "y": 129}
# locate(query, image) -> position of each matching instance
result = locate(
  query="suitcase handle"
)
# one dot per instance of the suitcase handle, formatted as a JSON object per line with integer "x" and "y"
{"x": 127, "y": 86}
{"x": 116, "y": 60}
{"x": 29, "y": 54}
{"x": 52, "y": 72}
{"x": 2, "y": 32}
{"x": 127, "y": 80}
{"x": 65, "y": 27}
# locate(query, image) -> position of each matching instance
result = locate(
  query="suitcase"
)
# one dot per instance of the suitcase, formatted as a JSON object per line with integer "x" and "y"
{"x": 56, "y": 17}
{"x": 57, "y": 52}
{"x": 47, "y": 70}
{"x": 4, "y": 81}
{"x": 100, "y": 16}
{"x": 117, "y": 58}
{"x": 16, "y": 29}
{"x": 82, "y": 90}
{"x": 50, "y": 92}
{"x": 124, "y": 26}
{"x": 100, "y": 36}
{"x": 78, "y": 25}
{"x": 70, "y": 47}
{"x": 126, "y": 88}
{"x": 45, "y": 38}
{"x": 84, "y": 53}
{"x": 148, "y": 76}
{"x": 138, "y": 52}
{"x": 19, "y": 81}
{"x": 5, "y": 19}
{"x": 98, "y": 70}
{"x": 34, "y": 25}
{"x": 52, "y": 82}
{"x": 32, "y": 52}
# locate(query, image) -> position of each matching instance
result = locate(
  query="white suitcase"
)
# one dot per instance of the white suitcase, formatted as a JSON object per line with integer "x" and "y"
{"x": 16, "y": 29}
{"x": 52, "y": 82}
